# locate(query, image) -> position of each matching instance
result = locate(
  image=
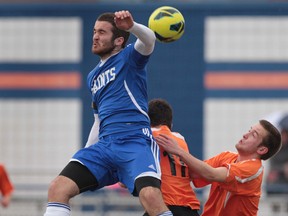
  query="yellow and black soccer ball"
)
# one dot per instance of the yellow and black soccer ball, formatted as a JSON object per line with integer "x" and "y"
{"x": 167, "y": 23}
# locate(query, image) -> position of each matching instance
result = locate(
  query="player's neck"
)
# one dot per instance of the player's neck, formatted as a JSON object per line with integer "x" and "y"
{"x": 246, "y": 157}
{"x": 106, "y": 57}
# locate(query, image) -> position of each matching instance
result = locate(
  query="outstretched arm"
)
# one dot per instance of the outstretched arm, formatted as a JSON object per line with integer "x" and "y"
{"x": 195, "y": 165}
{"x": 145, "y": 37}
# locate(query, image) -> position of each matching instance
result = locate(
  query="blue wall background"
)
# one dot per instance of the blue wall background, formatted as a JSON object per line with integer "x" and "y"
{"x": 176, "y": 70}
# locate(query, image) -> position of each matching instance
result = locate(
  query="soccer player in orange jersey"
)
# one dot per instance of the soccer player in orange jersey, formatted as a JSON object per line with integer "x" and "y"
{"x": 6, "y": 187}
{"x": 176, "y": 187}
{"x": 235, "y": 178}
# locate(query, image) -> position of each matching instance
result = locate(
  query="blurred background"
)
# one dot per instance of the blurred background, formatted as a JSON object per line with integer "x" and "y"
{"x": 229, "y": 69}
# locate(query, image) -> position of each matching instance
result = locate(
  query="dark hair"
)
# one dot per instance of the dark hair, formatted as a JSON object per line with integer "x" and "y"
{"x": 272, "y": 141}
{"x": 160, "y": 113}
{"x": 109, "y": 17}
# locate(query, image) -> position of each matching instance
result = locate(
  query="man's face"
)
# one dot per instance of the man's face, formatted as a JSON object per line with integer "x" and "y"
{"x": 103, "y": 45}
{"x": 251, "y": 140}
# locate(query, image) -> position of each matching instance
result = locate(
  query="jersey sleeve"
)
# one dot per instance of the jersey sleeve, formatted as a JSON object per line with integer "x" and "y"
{"x": 137, "y": 60}
{"x": 145, "y": 38}
{"x": 242, "y": 173}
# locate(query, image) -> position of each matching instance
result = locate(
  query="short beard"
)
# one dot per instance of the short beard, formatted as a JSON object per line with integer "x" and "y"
{"x": 106, "y": 52}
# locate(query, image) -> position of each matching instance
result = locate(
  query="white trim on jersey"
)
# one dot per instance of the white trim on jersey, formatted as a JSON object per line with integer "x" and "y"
{"x": 76, "y": 160}
{"x": 153, "y": 174}
{"x": 226, "y": 198}
{"x": 155, "y": 152}
{"x": 176, "y": 134}
{"x": 134, "y": 100}
{"x": 244, "y": 180}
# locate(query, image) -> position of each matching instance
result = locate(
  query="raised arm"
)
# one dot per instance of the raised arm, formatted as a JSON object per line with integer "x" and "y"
{"x": 145, "y": 37}
{"x": 195, "y": 165}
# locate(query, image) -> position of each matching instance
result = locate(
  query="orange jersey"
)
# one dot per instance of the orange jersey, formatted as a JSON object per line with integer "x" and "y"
{"x": 5, "y": 184}
{"x": 239, "y": 195}
{"x": 176, "y": 183}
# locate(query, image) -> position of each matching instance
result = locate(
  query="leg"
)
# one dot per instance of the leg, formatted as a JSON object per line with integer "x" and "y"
{"x": 74, "y": 179}
{"x": 152, "y": 201}
{"x": 151, "y": 197}
{"x": 140, "y": 170}
{"x": 62, "y": 189}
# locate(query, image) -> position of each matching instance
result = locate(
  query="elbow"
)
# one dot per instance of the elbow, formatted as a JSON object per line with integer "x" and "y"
{"x": 212, "y": 177}
{"x": 153, "y": 36}
{"x": 209, "y": 177}
{"x": 151, "y": 41}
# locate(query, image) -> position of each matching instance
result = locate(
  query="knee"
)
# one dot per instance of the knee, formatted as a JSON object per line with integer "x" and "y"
{"x": 150, "y": 195}
{"x": 54, "y": 188}
{"x": 152, "y": 201}
{"x": 61, "y": 189}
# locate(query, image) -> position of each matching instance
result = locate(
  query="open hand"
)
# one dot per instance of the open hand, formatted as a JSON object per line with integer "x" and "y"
{"x": 169, "y": 144}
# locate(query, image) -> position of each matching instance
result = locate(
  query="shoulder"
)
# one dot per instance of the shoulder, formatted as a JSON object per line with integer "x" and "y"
{"x": 246, "y": 171}
{"x": 228, "y": 154}
{"x": 250, "y": 163}
{"x": 178, "y": 135}
{"x": 130, "y": 47}
{"x": 226, "y": 157}
{"x": 181, "y": 140}
{"x": 134, "y": 54}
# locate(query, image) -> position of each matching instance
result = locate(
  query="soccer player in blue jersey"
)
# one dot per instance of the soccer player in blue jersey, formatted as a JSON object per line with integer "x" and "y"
{"x": 120, "y": 147}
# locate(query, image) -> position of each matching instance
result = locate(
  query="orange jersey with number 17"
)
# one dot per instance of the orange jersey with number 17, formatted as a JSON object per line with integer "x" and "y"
{"x": 176, "y": 183}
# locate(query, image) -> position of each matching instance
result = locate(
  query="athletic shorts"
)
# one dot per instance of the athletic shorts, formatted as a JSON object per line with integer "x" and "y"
{"x": 122, "y": 157}
{"x": 180, "y": 211}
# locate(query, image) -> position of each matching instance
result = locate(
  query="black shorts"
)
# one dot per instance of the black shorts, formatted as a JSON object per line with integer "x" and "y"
{"x": 183, "y": 211}
{"x": 180, "y": 211}
{"x": 80, "y": 175}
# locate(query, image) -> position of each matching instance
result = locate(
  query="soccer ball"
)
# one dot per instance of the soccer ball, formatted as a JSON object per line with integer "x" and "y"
{"x": 167, "y": 23}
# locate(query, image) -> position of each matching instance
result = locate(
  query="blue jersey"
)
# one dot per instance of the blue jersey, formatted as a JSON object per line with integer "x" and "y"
{"x": 119, "y": 91}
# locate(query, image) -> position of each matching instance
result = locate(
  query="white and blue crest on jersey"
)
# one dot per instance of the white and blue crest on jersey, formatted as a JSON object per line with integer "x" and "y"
{"x": 119, "y": 91}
